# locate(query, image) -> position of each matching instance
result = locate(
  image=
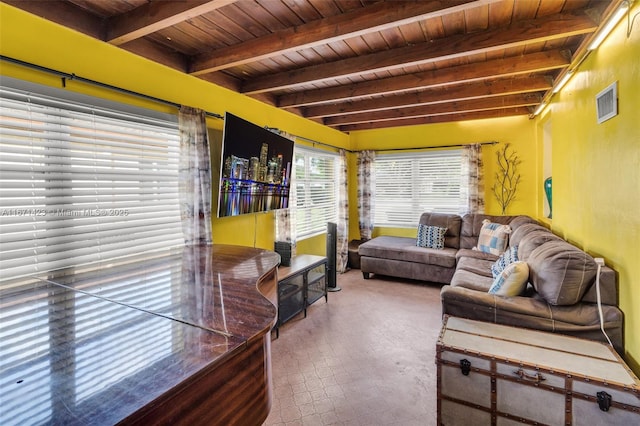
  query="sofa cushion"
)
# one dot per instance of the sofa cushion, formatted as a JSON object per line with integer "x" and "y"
{"x": 526, "y": 308}
{"x": 522, "y": 230}
{"x": 476, "y": 265}
{"x": 517, "y": 221}
{"x": 581, "y": 320}
{"x": 452, "y": 222}
{"x": 471, "y": 280}
{"x": 403, "y": 248}
{"x": 476, "y": 254}
{"x": 472, "y": 224}
{"x": 493, "y": 238}
{"x": 533, "y": 240}
{"x": 430, "y": 236}
{"x": 512, "y": 280}
{"x": 509, "y": 256}
{"x": 561, "y": 273}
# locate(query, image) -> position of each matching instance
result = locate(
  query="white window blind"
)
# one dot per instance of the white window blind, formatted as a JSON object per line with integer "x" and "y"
{"x": 410, "y": 184}
{"x": 80, "y": 184}
{"x": 316, "y": 178}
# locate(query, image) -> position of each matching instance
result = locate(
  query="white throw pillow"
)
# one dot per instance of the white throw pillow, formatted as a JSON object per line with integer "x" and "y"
{"x": 511, "y": 281}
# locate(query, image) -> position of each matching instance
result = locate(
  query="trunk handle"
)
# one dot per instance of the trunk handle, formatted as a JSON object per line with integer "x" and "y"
{"x": 534, "y": 378}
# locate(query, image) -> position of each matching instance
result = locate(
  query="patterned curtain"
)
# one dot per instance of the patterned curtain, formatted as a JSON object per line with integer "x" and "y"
{"x": 286, "y": 218}
{"x": 194, "y": 177}
{"x": 366, "y": 188}
{"x": 472, "y": 173}
{"x": 342, "y": 235}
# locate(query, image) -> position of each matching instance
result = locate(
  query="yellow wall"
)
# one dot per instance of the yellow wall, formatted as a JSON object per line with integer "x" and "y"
{"x": 518, "y": 131}
{"x": 596, "y": 168}
{"x": 315, "y": 245}
{"x": 28, "y": 38}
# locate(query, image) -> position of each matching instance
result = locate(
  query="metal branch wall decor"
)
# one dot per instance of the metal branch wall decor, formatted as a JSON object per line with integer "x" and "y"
{"x": 507, "y": 177}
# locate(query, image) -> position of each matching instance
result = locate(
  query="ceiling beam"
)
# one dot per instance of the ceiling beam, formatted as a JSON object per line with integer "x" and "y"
{"x": 64, "y": 13}
{"x": 509, "y": 101}
{"x": 454, "y": 47}
{"x": 155, "y": 52}
{"x": 522, "y": 64}
{"x": 445, "y": 118}
{"x": 378, "y": 17}
{"x": 155, "y": 16}
{"x": 458, "y": 92}
{"x": 223, "y": 80}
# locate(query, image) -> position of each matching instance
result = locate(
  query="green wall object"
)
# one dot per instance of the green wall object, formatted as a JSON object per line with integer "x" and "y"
{"x": 547, "y": 191}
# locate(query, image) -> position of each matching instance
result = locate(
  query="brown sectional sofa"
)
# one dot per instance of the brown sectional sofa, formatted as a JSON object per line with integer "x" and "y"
{"x": 560, "y": 295}
{"x": 400, "y": 257}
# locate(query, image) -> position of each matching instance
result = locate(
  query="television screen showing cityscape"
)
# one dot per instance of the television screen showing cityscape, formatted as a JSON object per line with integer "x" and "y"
{"x": 256, "y": 168}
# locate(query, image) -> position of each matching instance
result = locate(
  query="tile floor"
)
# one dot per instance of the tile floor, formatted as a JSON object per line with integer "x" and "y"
{"x": 367, "y": 357}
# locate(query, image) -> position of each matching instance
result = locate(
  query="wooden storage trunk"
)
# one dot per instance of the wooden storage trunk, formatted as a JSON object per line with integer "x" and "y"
{"x": 491, "y": 374}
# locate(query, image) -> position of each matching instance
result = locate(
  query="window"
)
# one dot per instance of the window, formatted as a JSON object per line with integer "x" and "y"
{"x": 82, "y": 183}
{"x": 316, "y": 178}
{"x": 408, "y": 185}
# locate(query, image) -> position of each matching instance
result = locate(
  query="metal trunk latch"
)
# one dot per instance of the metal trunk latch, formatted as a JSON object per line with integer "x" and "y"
{"x": 604, "y": 400}
{"x": 465, "y": 366}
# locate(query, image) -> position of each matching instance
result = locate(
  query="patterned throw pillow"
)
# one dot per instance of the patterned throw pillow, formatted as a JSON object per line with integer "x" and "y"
{"x": 511, "y": 281}
{"x": 493, "y": 238}
{"x": 507, "y": 258}
{"x": 431, "y": 236}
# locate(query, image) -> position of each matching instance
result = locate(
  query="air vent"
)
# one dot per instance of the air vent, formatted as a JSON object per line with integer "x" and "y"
{"x": 607, "y": 103}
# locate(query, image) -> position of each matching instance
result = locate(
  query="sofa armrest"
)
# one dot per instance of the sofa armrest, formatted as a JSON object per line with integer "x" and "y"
{"x": 608, "y": 288}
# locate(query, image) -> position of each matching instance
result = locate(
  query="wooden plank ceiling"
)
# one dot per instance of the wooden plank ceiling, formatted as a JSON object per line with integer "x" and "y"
{"x": 355, "y": 64}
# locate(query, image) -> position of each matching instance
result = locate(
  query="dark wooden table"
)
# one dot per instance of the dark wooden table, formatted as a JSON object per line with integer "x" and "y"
{"x": 178, "y": 337}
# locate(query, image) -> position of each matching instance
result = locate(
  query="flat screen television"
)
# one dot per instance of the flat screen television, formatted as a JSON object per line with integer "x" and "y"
{"x": 255, "y": 168}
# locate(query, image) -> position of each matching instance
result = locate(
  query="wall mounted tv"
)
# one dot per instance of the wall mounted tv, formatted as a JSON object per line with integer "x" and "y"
{"x": 256, "y": 168}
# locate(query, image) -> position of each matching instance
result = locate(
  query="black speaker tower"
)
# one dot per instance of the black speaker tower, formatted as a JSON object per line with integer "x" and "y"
{"x": 332, "y": 246}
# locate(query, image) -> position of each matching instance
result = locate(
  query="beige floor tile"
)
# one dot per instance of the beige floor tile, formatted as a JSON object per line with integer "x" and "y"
{"x": 367, "y": 357}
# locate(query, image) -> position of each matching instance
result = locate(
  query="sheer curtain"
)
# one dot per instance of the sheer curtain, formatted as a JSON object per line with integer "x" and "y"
{"x": 342, "y": 252}
{"x": 473, "y": 175}
{"x": 286, "y": 218}
{"x": 366, "y": 187}
{"x": 194, "y": 177}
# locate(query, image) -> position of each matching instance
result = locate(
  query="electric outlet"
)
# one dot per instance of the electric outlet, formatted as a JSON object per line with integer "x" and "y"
{"x": 599, "y": 261}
